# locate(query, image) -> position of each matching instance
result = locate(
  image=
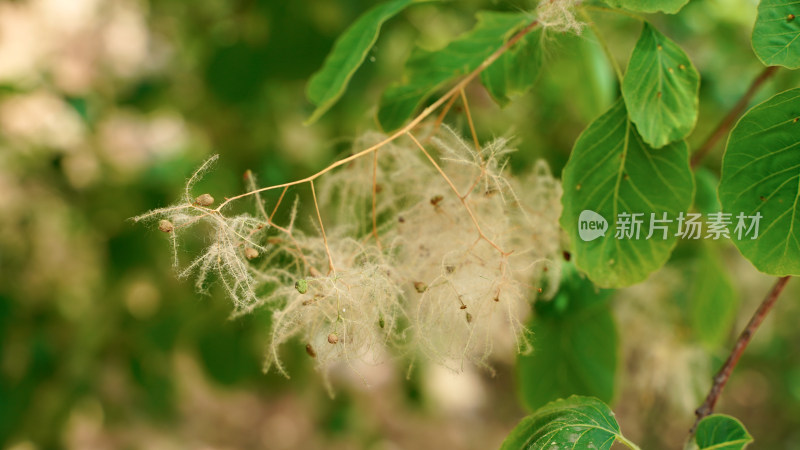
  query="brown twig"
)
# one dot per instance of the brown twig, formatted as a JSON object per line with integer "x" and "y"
{"x": 721, "y": 378}
{"x": 331, "y": 267}
{"x": 730, "y": 119}
{"x": 471, "y": 123}
{"x": 375, "y": 198}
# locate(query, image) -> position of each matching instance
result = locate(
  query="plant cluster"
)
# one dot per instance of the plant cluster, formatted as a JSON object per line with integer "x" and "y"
{"x": 425, "y": 257}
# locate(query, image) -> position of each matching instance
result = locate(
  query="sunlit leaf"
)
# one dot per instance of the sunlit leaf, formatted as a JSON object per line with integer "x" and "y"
{"x": 721, "y": 432}
{"x": 572, "y": 423}
{"x": 660, "y": 89}
{"x": 761, "y": 175}
{"x": 328, "y": 84}
{"x": 776, "y": 35}
{"x": 612, "y": 170}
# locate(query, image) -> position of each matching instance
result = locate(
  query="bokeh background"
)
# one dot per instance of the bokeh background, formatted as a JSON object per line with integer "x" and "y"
{"x": 106, "y": 106}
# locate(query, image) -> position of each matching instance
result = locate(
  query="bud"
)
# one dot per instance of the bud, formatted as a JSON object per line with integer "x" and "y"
{"x": 310, "y": 351}
{"x": 204, "y": 200}
{"x": 420, "y": 286}
{"x": 166, "y": 226}
{"x": 333, "y": 338}
{"x": 301, "y": 286}
{"x": 250, "y": 253}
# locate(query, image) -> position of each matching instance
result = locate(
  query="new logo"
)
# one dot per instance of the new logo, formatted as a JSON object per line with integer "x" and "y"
{"x": 591, "y": 225}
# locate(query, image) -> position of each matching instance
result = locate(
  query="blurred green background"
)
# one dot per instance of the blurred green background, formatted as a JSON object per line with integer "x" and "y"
{"x": 106, "y": 106}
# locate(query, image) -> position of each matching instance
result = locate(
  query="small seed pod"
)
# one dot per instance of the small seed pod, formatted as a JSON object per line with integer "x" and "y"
{"x": 463, "y": 306}
{"x": 469, "y": 318}
{"x": 166, "y": 226}
{"x": 310, "y": 351}
{"x": 204, "y": 200}
{"x": 381, "y": 321}
{"x": 420, "y": 286}
{"x": 301, "y": 286}
{"x": 436, "y": 199}
{"x": 250, "y": 253}
{"x": 333, "y": 338}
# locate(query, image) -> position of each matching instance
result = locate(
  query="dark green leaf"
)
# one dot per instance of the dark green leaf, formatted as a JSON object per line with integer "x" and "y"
{"x": 426, "y": 71}
{"x": 761, "y": 175}
{"x": 721, "y": 432}
{"x": 516, "y": 70}
{"x": 573, "y": 423}
{"x": 660, "y": 89}
{"x": 329, "y": 83}
{"x": 612, "y": 170}
{"x": 705, "y": 199}
{"x": 776, "y": 35}
{"x": 574, "y": 347}
{"x": 713, "y": 301}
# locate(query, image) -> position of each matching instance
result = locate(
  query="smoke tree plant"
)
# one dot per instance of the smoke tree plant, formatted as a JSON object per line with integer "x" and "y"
{"x": 424, "y": 244}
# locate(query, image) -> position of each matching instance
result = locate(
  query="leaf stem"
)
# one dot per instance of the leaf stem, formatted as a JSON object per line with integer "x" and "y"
{"x": 730, "y": 119}
{"x": 331, "y": 267}
{"x": 615, "y": 11}
{"x": 623, "y": 440}
{"x": 721, "y": 378}
{"x": 603, "y": 44}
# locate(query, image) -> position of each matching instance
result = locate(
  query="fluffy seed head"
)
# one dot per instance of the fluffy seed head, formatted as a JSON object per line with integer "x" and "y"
{"x": 450, "y": 279}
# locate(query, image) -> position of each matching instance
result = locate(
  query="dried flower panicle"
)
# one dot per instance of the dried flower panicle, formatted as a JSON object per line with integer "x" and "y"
{"x": 476, "y": 297}
{"x": 348, "y": 315}
{"x": 436, "y": 278}
{"x": 226, "y": 255}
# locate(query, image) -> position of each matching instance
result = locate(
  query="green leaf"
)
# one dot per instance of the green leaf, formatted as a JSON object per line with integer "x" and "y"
{"x": 573, "y": 423}
{"x": 516, "y": 70}
{"x": 328, "y": 84}
{"x": 649, "y": 6}
{"x": 660, "y": 89}
{"x": 575, "y": 345}
{"x": 721, "y": 432}
{"x": 610, "y": 171}
{"x": 713, "y": 301}
{"x": 776, "y": 35}
{"x": 426, "y": 71}
{"x": 761, "y": 175}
